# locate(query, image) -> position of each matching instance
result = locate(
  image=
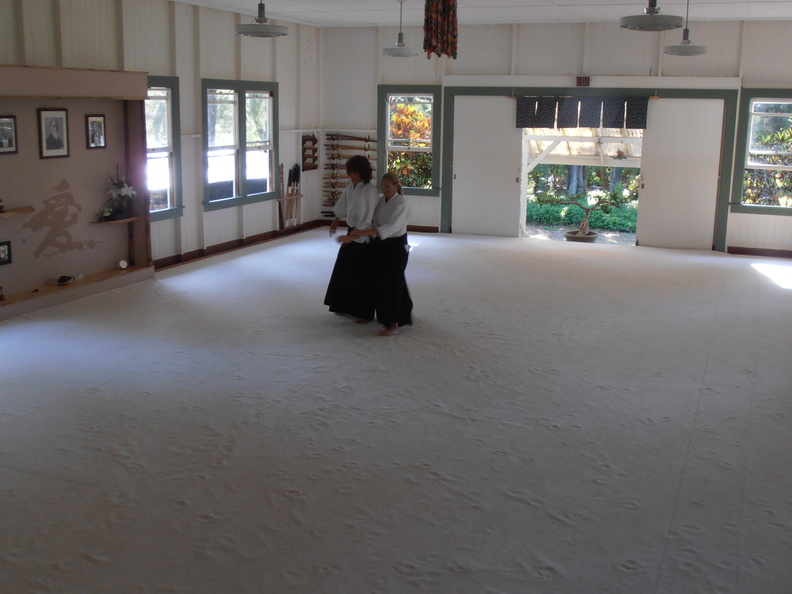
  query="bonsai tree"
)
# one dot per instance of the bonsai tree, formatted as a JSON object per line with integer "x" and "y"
{"x": 615, "y": 197}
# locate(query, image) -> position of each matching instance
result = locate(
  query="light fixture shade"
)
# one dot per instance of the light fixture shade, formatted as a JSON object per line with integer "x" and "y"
{"x": 399, "y": 50}
{"x": 651, "y": 20}
{"x": 686, "y": 48}
{"x": 262, "y": 27}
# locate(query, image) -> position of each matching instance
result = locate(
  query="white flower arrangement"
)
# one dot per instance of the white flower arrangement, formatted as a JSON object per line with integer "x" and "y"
{"x": 119, "y": 187}
{"x": 119, "y": 205}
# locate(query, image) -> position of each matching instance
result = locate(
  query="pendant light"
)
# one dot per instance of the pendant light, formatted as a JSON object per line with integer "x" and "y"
{"x": 262, "y": 27}
{"x": 399, "y": 50}
{"x": 686, "y": 48}
{"x": 651, "y": 20}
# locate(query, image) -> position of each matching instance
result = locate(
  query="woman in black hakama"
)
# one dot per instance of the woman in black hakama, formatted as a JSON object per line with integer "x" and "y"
{"x": 391, "y": 252}
{"x": 350, "y": 290}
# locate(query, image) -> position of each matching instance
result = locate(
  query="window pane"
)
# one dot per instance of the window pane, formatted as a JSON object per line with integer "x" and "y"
{"x": 257, "y": 121}
{"x": 410, "y": 122}
{"x": 767, "y": 187}
{"x": 771, "y": 134}
{"x": 221, "y": 174}
{"x": 159, "y": 180}
{"x": 767, "y": 179}
{"x": 413, "y": 168}
{"x": 221, "y": 118}
{"x": 257, "y": 171}
{"x": 157, "y": 119}
{"x": 773, "y": 107}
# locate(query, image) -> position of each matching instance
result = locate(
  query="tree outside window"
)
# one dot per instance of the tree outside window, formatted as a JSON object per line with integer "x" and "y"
{"x": 767, "y": 179}
{"x": 409, "y": 140}
{"x": 222, "y": 143}
{"x": 159, "y": 148}
{"x": 240, "y": 120}
{"x": 258, "y": 140}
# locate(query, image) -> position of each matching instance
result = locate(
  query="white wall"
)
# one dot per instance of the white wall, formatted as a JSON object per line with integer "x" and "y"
{"x": 350, "y": 61}
{"x": 328, "y": 79}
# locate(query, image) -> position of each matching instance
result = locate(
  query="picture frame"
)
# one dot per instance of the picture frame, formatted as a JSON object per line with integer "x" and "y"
{"x": 5, "y": 252}
{"x": 53, "y": 133}
{"x": 95, "y": 131}
{"x": 8, "y": 135}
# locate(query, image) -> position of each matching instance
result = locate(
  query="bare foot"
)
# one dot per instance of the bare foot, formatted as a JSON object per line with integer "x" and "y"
{"x": 362, "y": 321}
{"x": 390, "y": 331}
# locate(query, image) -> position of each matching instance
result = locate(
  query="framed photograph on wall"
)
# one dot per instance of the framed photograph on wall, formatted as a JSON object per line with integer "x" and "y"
{"x": 5, "y": 252}
{"x": 53, "y": 133}
{"x": 8, "y": 135}
{"x": 95, "y": 131}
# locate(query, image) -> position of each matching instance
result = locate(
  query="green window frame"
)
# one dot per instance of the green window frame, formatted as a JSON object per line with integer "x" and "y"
{"x": 163, "y": 147}
{"x": 240, "y": 142}
{"x": 402, "y": 152}
{"x": 763, "y": 160}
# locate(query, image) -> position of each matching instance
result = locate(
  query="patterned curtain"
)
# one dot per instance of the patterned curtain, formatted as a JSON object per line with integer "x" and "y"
{"x": 568, "y": 112}
{"x": 586, "y": 112}
{"x": 440, "y": 28}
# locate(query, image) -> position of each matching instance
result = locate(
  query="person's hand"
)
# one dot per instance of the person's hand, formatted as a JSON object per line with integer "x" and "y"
{"x": 333, "y": 227}
{"x": 346, "y": 239}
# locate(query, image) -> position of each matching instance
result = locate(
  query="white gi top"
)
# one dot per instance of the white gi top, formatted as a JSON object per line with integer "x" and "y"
{"x": 356, "y": 205}
{"x": 390, "y": 218}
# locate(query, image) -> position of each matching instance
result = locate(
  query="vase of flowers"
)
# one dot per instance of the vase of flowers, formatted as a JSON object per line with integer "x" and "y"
{"x": 118, "y": 205}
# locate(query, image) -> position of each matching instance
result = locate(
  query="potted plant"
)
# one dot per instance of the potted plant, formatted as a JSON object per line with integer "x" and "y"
{"x": 616, "y": 197}
{"x": 118, "y": 205}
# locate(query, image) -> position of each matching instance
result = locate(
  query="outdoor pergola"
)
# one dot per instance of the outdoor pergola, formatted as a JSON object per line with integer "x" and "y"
{"x": 598, "y": 147}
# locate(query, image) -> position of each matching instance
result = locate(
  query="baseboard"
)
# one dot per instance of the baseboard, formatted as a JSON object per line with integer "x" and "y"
{"x": 759, "y": 252}
{"x": 230, "y": 246}
{"x": 422, "y": 229}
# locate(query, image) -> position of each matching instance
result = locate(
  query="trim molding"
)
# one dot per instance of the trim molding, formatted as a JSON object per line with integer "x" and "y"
{"x": 742, "y": 251}
{"x": 236, "y": 244}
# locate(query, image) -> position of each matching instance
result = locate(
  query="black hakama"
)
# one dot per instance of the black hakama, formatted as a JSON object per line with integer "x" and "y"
{"x": 350, "y": 289}
{"x": 393, "y": 302}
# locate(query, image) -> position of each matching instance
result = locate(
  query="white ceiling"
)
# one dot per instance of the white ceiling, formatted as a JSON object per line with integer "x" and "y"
{"x": 364, "y": 13}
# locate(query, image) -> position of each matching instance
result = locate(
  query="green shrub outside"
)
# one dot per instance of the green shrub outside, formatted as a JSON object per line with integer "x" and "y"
{"x": 623, "y": 218}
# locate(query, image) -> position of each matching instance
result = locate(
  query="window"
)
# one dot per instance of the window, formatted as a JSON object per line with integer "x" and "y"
{"x": 767, "y": 178}
{"x": 240, "y": 120}
{"x": 163, "y": 170}
{"x": 409, "y": 136}
{"x": 409, "y": 139}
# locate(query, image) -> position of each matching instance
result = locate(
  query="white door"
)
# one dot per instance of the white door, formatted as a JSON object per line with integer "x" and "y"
{"x": 680, "y": 161}
{"x": 487, "y": 154}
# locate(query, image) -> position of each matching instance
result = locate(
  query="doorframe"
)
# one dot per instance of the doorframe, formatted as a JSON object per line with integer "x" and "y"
{"x": 730, "y": 99}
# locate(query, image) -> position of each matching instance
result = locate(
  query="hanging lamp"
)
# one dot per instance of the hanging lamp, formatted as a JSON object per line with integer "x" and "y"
{"x": 262, "y": 27}
{"x": 651, "y": 20}
{"x": 686, "y": 48}
{"x": 399, "y": 50}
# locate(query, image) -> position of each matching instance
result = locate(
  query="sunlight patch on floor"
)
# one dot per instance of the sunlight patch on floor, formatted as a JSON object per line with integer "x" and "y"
{"x": 778, "y": 273}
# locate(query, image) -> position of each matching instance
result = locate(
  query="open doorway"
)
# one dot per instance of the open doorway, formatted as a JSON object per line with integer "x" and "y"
{"x": 582, "y": 181}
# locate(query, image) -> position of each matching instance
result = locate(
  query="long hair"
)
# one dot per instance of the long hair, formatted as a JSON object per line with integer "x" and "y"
{"x": 360, "y": 165}
{"x": 394, "y": 179}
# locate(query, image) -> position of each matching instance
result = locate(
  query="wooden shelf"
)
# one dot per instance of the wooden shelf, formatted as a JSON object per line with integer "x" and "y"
{"x": 49, "y": 295}
{"x": 16, "y": 211}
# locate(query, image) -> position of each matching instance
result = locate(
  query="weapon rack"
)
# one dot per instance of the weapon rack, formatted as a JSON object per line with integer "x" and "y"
{"x": 310, "y": 149}
{"x": 338, "y": 148}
